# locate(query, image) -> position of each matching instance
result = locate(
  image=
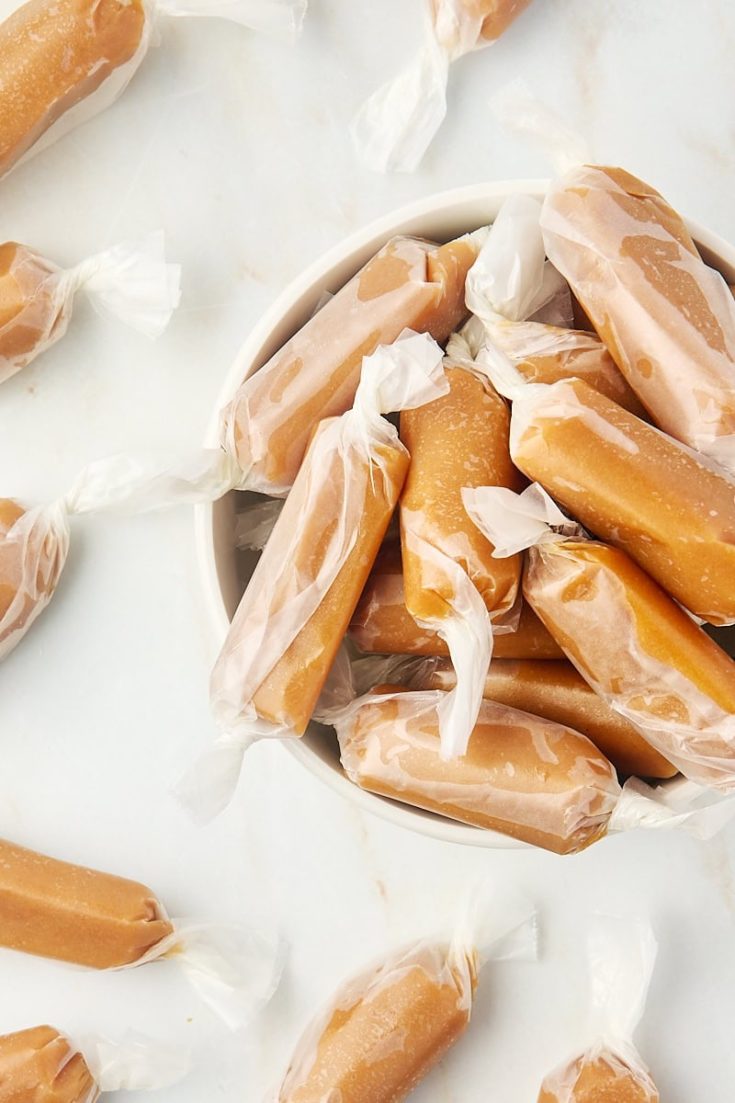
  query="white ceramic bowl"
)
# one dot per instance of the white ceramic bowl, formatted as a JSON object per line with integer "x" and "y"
{"x": 225, "y": 571}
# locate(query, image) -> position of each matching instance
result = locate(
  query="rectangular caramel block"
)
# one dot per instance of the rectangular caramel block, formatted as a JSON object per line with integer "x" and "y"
{"x": 557, "y": 692}
{"x": 634, "y": 487}
{"x": 337, "y": 500}
{"x": 667, "y": 319}
{"x": 640, "y": 651}
{"x": 385, "y": 1030}
{"x": 53, "y": 55}
{"x": 408, "y": 284}
{"x": 523, "y": 776}
{"x": 460, "y": 439}
{"x": 57, "y": 910}
{"x": 41, "y": 1066}
{"x": 382, "y": 624}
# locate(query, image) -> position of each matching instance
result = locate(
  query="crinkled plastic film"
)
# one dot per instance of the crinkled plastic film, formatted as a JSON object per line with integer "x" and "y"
{"x": 523, "y": 776}
{"x": 384, "y": 1030}
{"x": 628, "y": 483}
{"x": 395, "y": 126}
{"x": 667, "y": 318}
{"x": 382, "y": 623}
{"x": 130, "y": 281}
{"x": 33, "y": 549}
{"x": 407, "y": 284}
{"x": 621, "y": 955}
{"x": 64, "y": 62}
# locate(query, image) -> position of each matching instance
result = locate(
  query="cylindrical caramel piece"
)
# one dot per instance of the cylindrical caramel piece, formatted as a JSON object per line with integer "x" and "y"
{"x": 557, "y": 692}
{"x": 546, "y": 354}
{"x": 381, "y": 624}
{"x": 460, "y": 439}
{"x": 40, "y": 1065}
{"x": 384, "y": 1030}
{"x": 640, "y": 651}
{"x": 666, "y": 317}
{"x": 33, "y": 550}
{"x": 599, "y": 1076}
{"x": 57, "y": 910}
{"x": 32, "y": 312}
{"x": 493, "y": 16}
{"x": 523, "y": 776}
{"x": 634, "y": 487}
{"x": 53, "y": 55}
{"x": 407, "y": 284}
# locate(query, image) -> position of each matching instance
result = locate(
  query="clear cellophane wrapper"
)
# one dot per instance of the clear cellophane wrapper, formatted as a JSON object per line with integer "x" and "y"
{"x": 409, "y": 283}
{"x": 384, "y": 1029}
{"x": 395, "y": 126}
{"x": 621, "y": 955}
{"x": 130, "y": 281}
{"x": 92, "y": 95}
{"x": 667, "y": 318}
{"x": 689, "y": 728}
{"x": 349, "y": 459}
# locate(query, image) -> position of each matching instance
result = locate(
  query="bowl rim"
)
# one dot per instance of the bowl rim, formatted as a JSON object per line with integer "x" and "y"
{"x": 370, "y": 238}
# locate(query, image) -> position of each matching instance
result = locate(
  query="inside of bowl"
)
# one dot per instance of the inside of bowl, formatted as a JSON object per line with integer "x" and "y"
{"x": 234, "y": 567}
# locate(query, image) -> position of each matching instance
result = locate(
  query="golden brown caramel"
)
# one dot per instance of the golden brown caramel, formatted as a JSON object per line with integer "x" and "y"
{"x": 32, "y": 313}
{"x": 57, "y": 910}
{"x": 460, "y": 439}
{"x": 385, "y": 1030}
{"x": 408, "y": 284}
{"x": 640, "y": 650}
{"x": 332, "y": 491}
{"x": 666, "y": 317}
{"x": 54, "y": 55}
{"x": 523, "y": 776}
{"x": 557, "y": 692}
{"x": 33, "y": 549}
{"x": 603, "y": 1077}
{"x": 635, "y": 487}
{"x": 382, "y": 624}
{"x": 41, "y": 1066}
{"x": 495, "y": 15}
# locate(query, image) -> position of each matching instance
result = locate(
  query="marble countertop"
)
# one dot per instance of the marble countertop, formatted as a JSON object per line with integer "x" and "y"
{"x": 236, "y": 145}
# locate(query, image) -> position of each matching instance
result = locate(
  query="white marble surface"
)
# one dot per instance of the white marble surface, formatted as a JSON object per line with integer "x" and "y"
{"x": 237, "y": 146}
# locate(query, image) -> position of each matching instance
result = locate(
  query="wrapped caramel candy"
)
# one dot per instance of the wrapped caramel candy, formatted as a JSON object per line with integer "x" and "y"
{"x": 452, "y": 583}
{"x": 509, "y": 290}
{"x": 385, "y": 1029}
{"x": 299, "y": 602}
{"x": 628, "y": 483}
{"x": 621, "y": 956}
{"x": 523, "y": 776}
{"x": 63, "y": 61}
{"x": 395, "y": 126}
{"x": 407, "y": 284}
{"x": 78, "y": 915}
{"x": 381, "y": 623}
{"x": 628, "y": 639}
{"x": 666, "y": 317}
{"x": 556, "y": 691}
{"x": 43, "y": 1065}
{"x": 131, "y": 281}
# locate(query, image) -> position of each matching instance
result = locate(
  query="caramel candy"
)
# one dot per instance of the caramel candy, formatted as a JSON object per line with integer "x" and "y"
{"x": 640, "y": 651}
{"x": 458, "y": 440}
{"x": 382, "y": 624}
{"x": 385, "y": 1030}
{"x": 56, "y": 54}
{"x": 33, "y": 550}
{"x": 42, "y": 1066}
{"x": 597, "y": 1077}
{"x": 32, "y": 312}
{"x": 555, "y": 691}
{"x": 523, "y": 776}
{"x": 70, "y": 913}
{"x": 666, "y": 317}
{"x": 453, "y": 20}
{"x": 635, "y": 487}
{"x": 296, "y": 609}
{"x": 408, "y": 284}
{"x": 546, "y": 354}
